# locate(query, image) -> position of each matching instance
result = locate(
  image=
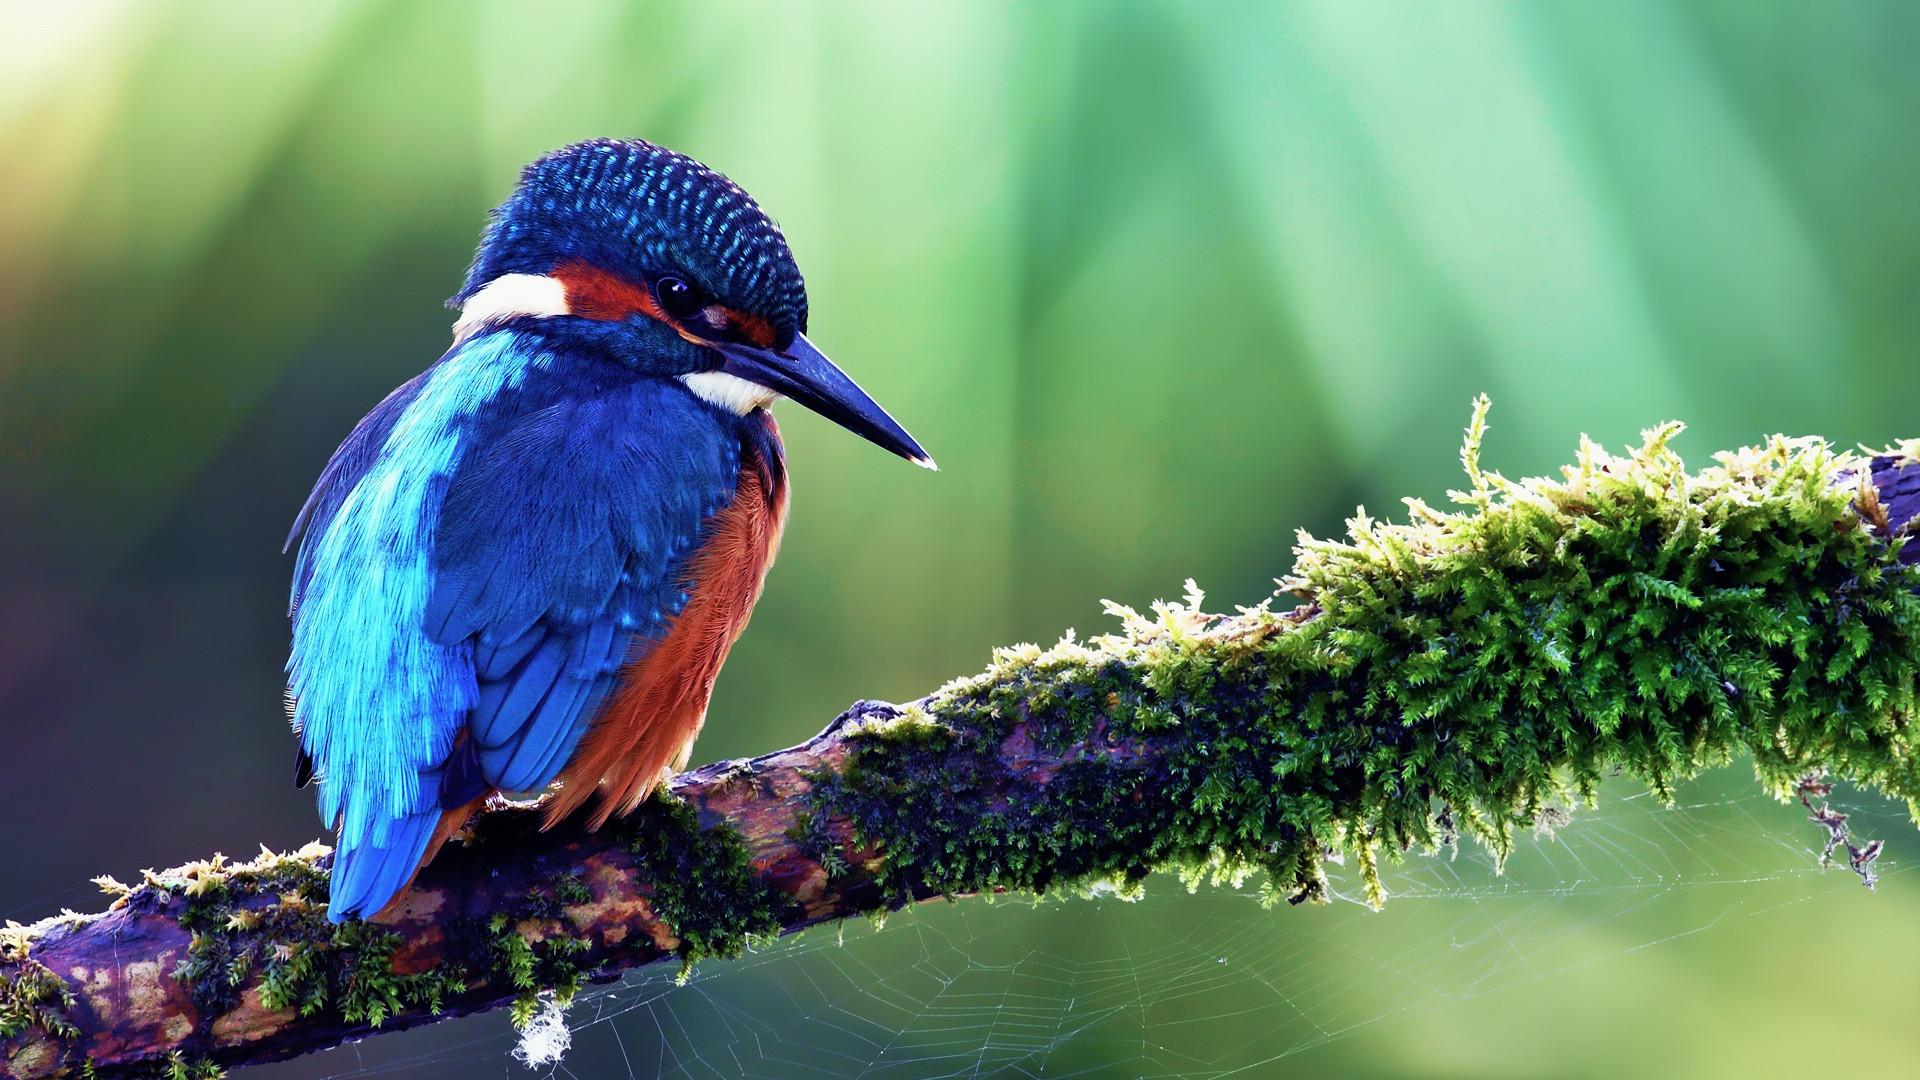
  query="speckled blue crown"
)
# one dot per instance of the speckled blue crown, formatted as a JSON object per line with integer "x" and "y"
{"x": 640, "y": 211}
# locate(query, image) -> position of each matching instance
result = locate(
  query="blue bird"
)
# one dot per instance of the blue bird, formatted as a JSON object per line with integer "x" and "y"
{"x": 528, "y": 563}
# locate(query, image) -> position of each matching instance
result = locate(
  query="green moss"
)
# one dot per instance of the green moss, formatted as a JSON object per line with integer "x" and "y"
{"x": 570, "y": 889}
{"x": 267, "y": 918}
{"x": 350, "y": 971}
{"x": 906, "y": 727}
{"x": 178, "y": 1066}
{"x": 811, "y": 833}
{"x": 33, "y": 997}
{"x": 701, "y": 884}
{"x": 702, "y": 881}
{"x": 1463, "y": 672}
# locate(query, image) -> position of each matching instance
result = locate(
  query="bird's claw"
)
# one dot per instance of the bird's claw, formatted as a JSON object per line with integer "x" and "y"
{"x": 859, "y": 712}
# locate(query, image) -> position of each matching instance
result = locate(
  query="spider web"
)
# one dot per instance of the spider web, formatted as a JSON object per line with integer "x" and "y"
{"x": 1204, "y": 984}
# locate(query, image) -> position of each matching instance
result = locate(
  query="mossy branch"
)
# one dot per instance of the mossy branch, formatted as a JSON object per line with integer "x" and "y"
{"x": 1457, "y": 674}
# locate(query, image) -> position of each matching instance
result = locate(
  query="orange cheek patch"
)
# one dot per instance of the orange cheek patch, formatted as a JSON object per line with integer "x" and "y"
{"x": 593, "y": 293}
{"x": 752, "y": 327}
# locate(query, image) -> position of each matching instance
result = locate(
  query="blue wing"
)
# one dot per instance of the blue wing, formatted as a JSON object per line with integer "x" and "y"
{"x": 406, "y": 837}
{"x": 377, "y": 705}
{"x": 558, "y": 545}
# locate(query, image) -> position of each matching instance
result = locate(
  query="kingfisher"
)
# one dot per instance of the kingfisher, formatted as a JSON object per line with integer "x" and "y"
{"x": 524, "y": 568}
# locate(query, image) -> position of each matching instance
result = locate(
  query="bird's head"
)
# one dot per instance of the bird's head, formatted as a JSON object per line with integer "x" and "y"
{"x": 670, "y": 267}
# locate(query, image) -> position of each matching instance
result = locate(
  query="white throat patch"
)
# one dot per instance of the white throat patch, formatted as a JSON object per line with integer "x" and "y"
{"x": 729, "y": 391}
{"x": 509, "y": 296}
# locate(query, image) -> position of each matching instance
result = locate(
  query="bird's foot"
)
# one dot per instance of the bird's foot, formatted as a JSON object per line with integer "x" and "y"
{"x": 857, "y": 713}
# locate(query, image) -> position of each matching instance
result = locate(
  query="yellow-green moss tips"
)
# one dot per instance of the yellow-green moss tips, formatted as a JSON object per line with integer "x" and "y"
{"x": 1457, "y": 673}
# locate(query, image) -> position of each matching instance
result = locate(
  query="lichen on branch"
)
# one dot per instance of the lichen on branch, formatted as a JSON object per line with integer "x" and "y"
{"x": 1465, "y": 673}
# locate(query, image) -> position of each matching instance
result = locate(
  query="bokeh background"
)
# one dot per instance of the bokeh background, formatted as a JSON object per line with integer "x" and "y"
{"x": 1157, "y": 282}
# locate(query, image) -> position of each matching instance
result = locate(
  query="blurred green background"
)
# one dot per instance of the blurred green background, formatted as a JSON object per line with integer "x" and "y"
{"x": 1156, "y": 282}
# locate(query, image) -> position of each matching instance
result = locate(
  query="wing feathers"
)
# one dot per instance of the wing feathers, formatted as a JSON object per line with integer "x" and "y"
{"x": 505, "y": 706}
{"x": 527, "y": 757}
{"x": 370, "y": 874}
{"x": 495, "y": 661}
{"x": 463, "y": 781}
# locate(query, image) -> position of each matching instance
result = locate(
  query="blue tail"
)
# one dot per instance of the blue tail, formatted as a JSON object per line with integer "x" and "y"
{"x": 366, "y": 875}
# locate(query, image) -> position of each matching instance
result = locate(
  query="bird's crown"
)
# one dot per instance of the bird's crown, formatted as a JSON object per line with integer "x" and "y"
{"x": 639, "y": 212}
{"x": 658, "y": 262}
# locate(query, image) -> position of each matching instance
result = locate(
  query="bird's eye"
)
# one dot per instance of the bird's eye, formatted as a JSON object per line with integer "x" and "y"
{"x": 677, "y": 298}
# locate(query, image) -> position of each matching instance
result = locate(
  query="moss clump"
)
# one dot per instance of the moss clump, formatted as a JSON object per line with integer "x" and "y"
{"x": 33, "y": 997}
{"x": 352, "y": 970}
{"x": 533, "y": 967}
{"x": 702, "y": 881}
{"x": 815, "y": 839}
{"x": 528, "y": 945}
{"x": 267, "y": 918}
{"x": 1464, "y": 671}
{"x": 570, "y": 889}
{"x": 179, "y": 1066}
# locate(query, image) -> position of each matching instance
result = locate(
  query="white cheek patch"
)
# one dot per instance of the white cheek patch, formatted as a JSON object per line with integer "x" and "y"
{"x": 511, "y": 296}
{"x": 729, "y": 391}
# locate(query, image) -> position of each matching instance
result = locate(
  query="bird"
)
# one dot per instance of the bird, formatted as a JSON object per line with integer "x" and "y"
{"x": 523, "y": 569}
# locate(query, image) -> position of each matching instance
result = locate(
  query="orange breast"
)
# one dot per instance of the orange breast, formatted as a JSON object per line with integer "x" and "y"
{"x": 647, "y": 726}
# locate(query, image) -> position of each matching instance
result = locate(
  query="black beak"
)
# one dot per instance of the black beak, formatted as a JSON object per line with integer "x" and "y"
{"x": 804, "y": 374}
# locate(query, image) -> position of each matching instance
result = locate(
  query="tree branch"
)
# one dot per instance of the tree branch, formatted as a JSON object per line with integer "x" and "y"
{"x": 1459, "y": 674}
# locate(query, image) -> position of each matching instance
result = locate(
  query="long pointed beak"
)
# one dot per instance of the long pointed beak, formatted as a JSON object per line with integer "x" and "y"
{"x": 804, "y": 374}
